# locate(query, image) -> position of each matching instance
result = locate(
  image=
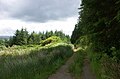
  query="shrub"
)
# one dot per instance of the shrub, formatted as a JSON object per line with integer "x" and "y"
{"x": 52, "y": 39}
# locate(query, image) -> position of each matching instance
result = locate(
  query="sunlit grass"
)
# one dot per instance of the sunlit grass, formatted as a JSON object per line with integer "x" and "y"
{"x": 32, "y": 62}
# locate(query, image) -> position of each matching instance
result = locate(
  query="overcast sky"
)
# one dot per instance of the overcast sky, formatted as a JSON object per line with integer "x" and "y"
{"x": 38, "y": 15}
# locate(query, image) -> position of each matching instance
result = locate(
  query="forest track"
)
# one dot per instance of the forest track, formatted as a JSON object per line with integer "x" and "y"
{"x": 63, "y": 72}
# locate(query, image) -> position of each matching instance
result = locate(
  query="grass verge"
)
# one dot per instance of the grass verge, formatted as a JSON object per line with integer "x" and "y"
{"x": 76, "y": 67}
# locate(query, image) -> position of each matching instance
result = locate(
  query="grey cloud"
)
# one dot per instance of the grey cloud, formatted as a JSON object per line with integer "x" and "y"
{"x": 42, "y": 10}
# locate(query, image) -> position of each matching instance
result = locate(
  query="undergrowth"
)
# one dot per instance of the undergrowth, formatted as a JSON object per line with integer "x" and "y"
{"x": 104, "y": 66}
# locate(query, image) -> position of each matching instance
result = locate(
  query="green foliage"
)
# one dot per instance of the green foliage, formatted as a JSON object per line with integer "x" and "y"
{"x": 32, "y": 62}
{"x": 83, "y": 42}
{"x": 2, "y": 48}
{"x": 53, "y": 39}
{"x": 111, "y": 67}
{"x": 2, "y": 42}
{"x": 98, "y": 30}
{"x": 22, "y": 37}
{"x": 34, "y": 38}
{"x": 100, "y": 20}
{"x": 76, "y": 34}
{"x": 104, "y": 66}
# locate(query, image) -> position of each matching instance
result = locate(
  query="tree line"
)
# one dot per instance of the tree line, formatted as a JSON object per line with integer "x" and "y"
{"x": 99, "y": 20}
{"x": 98, "y": 33}
{"x": 22, "y": 37}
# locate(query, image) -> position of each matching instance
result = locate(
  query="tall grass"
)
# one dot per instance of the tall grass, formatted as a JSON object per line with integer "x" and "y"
{"x": 32, "y": 62}
{"x": 104, "y": 67}
{"x": 76, "y": 67}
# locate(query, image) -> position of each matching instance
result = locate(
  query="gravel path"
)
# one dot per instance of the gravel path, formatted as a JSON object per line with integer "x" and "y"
{"x": 63, "y": 72}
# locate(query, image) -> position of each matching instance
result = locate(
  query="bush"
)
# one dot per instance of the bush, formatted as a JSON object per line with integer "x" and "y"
{"x": 2, "y": 48}
{"x": 52, "y": 39}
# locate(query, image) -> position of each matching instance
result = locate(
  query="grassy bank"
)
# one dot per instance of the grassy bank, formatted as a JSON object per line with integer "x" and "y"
{"x": 104, "y": 66}
{"x": 32, "y": 62}
{"x": 76, "y": 67}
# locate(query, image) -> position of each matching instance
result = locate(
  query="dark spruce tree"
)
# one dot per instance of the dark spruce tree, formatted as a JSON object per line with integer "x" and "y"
{"x": 100, "y": 19}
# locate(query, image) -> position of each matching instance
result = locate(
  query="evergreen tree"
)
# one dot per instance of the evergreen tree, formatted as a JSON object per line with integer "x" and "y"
{"x": 22, "y": 37}
{"x": 100, "y": 19}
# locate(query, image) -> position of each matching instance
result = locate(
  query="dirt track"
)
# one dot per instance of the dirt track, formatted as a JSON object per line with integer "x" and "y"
{"x": 63, "y": 72}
